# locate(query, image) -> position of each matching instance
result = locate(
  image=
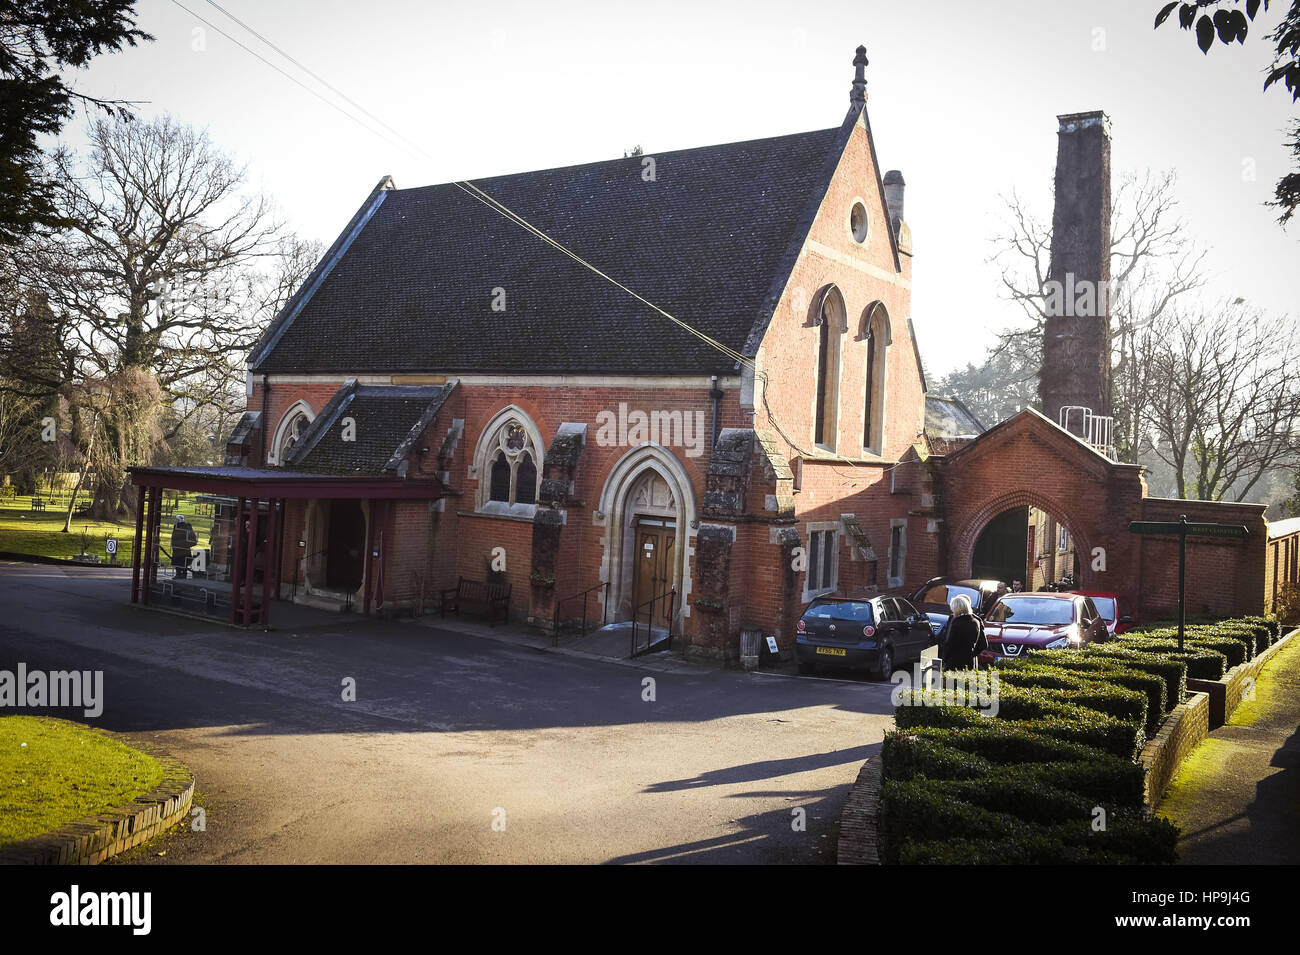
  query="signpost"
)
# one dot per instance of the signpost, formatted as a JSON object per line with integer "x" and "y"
{"x": 1183, "y": 529}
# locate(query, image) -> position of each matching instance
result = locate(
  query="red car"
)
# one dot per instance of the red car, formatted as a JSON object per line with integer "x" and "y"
{"x": 1021, "y": 623}
{"x": 1108, "y": 606}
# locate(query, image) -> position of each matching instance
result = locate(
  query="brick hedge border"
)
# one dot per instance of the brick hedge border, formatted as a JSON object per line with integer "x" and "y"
{"x": 1180, "y": 733}
{"x": 1226, "y": 694}
{"x": 93, "y": 839}
{"x": 859, "y": 827}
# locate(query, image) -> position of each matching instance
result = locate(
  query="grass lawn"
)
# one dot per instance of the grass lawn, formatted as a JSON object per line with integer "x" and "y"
{"x": 40, "y": 533}
{"x": 53, "y": 772}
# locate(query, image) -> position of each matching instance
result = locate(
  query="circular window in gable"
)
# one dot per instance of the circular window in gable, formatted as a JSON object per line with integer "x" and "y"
{"x": 858, "y": 222}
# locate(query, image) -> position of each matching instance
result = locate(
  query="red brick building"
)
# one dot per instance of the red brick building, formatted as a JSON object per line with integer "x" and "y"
{"x": 486, "y": 406}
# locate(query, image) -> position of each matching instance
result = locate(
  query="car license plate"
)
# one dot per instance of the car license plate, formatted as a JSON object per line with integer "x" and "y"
{"x": 832, "y": 651}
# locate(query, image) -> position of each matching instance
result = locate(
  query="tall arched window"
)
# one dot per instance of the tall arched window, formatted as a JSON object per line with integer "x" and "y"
{"x": 875, "y": 333}
{"x": 509, "y": 478}
{"x": 830, "y": 328}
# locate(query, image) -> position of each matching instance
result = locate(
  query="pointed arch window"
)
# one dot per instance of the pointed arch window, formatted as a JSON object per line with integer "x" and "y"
{"x": 508, "y": 478}
{"x": 875, "y": 333}
{"x": 830, "y": 329}
{"x": 289, "y": 432}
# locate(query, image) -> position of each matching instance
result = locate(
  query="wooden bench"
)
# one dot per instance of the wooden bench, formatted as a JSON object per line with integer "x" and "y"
{"x": 494, "y": 597}
{"x": 38, "y": 504}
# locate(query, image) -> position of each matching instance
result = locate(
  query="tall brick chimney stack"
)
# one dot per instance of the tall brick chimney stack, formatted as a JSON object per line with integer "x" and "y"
{"x": 1076, "y": 334}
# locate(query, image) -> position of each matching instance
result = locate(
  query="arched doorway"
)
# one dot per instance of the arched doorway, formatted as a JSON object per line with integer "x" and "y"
{"x": 1029, "y": 545}
{"x": 651, "y": 516}
{"x": 648, "y": 507}
{"x": 335, "y": 562}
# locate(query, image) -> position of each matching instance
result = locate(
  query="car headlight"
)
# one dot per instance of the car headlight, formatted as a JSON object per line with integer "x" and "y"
{"x": 1059, "y": 644}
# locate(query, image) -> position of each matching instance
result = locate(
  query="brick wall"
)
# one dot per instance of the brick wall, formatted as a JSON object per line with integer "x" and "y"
{"x": 1281, "y": 567}
{"x": 1027, "y": 460}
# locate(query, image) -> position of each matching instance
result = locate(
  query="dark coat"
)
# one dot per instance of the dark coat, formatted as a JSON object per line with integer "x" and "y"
{"x": 964, "y": 642}
{"x": 183, "y": 537}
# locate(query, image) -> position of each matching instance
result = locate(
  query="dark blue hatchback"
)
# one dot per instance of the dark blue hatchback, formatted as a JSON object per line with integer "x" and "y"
{"x": 875, "y": 634}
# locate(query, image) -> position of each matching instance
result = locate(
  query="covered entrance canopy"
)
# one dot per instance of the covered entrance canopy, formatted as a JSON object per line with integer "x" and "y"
{"x": 239, "y": 514}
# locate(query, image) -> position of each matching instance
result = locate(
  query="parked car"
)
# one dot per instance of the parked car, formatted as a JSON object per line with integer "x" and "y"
{"x": 875, "y": 634}
{"x": 1021, "y": 623}
{"x": 1107, "y": 605}
{"x": 935, "y": 597}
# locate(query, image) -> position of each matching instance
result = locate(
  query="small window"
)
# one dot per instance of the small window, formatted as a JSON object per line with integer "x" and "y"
{"x": 858, "y": 222}
{"x": 821, "y": 561}
{"x": 897, "y": 552}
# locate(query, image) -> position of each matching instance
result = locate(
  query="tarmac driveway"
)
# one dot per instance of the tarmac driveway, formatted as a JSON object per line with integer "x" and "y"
{"x": 457, "y": 748}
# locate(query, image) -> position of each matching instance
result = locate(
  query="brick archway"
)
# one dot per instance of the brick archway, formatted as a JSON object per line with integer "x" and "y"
{"x": 963, "y": 550}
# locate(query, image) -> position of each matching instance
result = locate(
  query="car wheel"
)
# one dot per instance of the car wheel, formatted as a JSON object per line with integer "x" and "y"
{"x": 885, "y": 666}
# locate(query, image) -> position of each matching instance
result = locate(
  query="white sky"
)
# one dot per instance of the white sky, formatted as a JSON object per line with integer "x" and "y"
{"x": 962, "y": 98}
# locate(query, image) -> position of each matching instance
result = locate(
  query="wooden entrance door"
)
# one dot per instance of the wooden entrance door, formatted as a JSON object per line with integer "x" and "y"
{"x": 656, "y": 546}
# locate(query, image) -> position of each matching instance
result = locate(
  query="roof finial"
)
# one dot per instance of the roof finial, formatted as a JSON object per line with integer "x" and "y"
{"x": 858, "y": 96}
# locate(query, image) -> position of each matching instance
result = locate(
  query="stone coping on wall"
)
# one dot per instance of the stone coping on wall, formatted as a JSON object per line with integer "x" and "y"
{"x": 93, "y": 839}
{"x": 859, "y": 823}
{"x": 1180, "y": 733}
{"x": 1228, "y": 692}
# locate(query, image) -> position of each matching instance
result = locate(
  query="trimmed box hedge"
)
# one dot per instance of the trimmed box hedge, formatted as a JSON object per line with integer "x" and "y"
{"x": 1057, "y": 824}
{"x": 1052, "y": 717}
{"x": 1201, "y": 664}
{"x": 1235, "y": 651}
{"x": 1017, "y": 754}
{"x": 1127, "y": 842}
{"x": 1024, "y": 786}
{"x": 1149, "y": 686}
{"x": 1171, "y": 673}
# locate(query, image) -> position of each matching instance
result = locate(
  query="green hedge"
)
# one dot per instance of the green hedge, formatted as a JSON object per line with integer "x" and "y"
{"x": 1149, "y": 686}
{"x": 1055, "y": 718}
{"x": 1012, "y": 753}
{"x": 1235, "y": 650}
{"x": 1172, "y": 674}
{"x": 1125, "y": 842}
{"x": 1266, "y": 630}
{"x": 1031, "y": 702}
{"x": 960, "y": 786}
{"x": 997, "y": 741}
{"x": 1201, "y": 664}
{"x": 1056, "y": 824}
{"x": 1271, "y": 622}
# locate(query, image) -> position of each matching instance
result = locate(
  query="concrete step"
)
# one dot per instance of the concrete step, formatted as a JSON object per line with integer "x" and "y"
{"x": 320, "y": 602}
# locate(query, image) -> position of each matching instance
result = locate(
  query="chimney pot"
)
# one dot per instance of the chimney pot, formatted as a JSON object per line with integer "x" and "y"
{"x": 894, "y": 185}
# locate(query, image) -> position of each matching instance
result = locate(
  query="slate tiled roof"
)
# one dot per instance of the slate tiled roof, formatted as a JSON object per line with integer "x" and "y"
{"x": 709, "y": 239}
{"x": 388, "y": 419}
{"x": 950, "y": 418}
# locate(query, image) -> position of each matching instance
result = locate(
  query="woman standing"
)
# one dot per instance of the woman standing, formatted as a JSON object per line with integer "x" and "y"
{"x": 966, "y": 639}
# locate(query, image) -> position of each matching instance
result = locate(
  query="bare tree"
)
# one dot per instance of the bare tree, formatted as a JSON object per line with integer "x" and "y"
{"x": 170, "y": 271}
{"x": 1220, "y": 398}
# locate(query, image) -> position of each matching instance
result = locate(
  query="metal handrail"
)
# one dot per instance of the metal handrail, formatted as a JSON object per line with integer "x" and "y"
{"x": 650, "y": 619}
{"x": 555, "y": 617}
